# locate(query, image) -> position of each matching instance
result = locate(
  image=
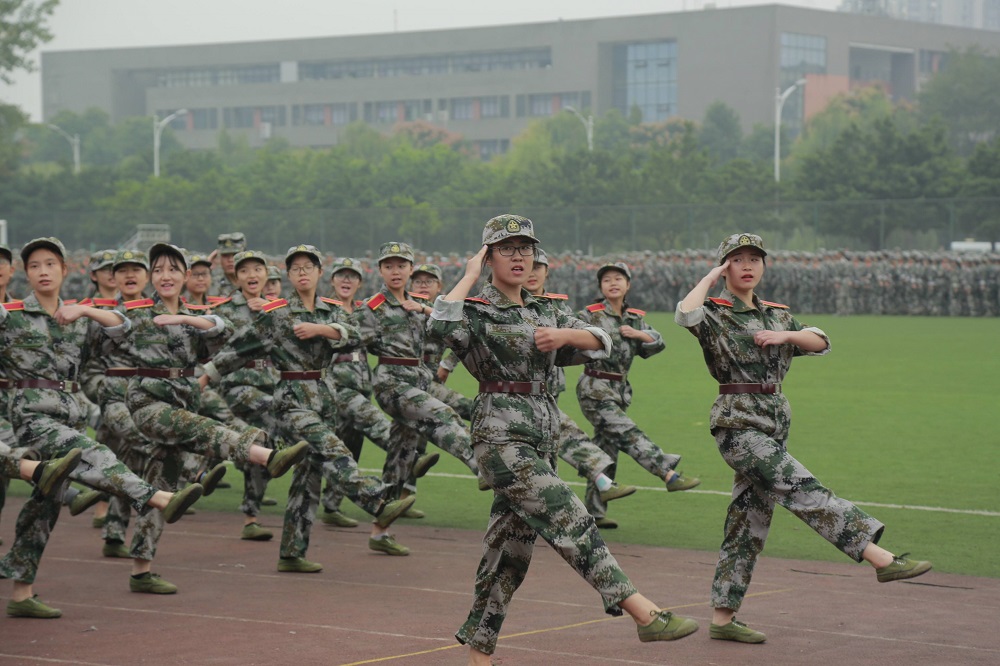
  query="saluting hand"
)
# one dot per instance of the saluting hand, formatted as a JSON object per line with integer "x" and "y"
{"x": 717, "y": 272}
{"x": 474, "y": 266}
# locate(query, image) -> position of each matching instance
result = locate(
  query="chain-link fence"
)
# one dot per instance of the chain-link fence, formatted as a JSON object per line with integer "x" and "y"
{"x": 792, "y": 225}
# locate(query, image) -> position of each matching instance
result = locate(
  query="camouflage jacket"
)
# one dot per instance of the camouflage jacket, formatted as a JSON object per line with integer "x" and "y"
{"x": 239, "y": 315}
{"x": 222, "y": 286}
{"x": 34, "y": 346}
{"x": 725, "y": 327}
{"x": 272, "y": 336}
{"x": 495, "y": 339}
{"x": 557, "y": 377}
{"x": 354, "y": 374}
{"x": 389, "y": 330}
{"x": 102, "y": 353}
{"x": 152, "y": 346}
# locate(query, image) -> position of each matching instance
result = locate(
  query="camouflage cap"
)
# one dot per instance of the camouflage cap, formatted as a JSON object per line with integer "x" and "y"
{"x": 619, "y": 266}
{"x": 738, "y": 242}
{"x": 541, "y": 257}
{"x": 159, "y": 249}
{"x": 310, "y": 250}
{"x": 506, "y": 226}
{"x": 5, "y": 251}
{"x": 347, "y": 264}
{"x": 430, "y": 269}
{"x": 247, "y": 255}
{"x": 101, "y": 259}
{"x": 273, "y": 273}
{"x": 232, "y": 243}
{"x": 48, "y": 242}
{"x": 395, "y": 249}
{"x": 123, "y": 257}
{"x": 198, "y": 258}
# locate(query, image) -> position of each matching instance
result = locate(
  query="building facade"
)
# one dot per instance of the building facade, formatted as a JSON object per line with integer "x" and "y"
{"x": 489, "y": 83}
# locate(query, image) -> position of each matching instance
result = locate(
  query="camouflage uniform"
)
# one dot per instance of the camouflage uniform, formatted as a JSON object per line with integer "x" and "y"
{"x": 306, "y": 409}
{"x": 604, "y": 400}
{"x": 751, "y": 430}
{"x": 514, "y": 438}
{"x": 396, "y": 335}
{"x": 232, "y": 243}
{"x": 48, "y": 421}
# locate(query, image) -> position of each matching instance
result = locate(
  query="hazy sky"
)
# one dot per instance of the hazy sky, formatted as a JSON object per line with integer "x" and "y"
{"x": 93, "y": 24}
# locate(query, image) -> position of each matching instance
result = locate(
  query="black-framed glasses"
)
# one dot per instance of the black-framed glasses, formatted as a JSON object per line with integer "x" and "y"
{"x": 511, "y": 250}
{"x": 305, "y": 269}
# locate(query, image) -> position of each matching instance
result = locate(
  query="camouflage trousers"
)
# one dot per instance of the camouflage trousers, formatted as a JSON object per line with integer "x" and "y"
{"x": 358, "y": 418}
{"x": 99, "y": 468}
{"x": 417, "y": 413}
{"x": 767, "y": 475}
{"x": 455, "y": 400}
{"x": 253, "y": 406}
{"x": 169, "y": 425}
{"x": 614, "y": 431}
{"x": 576, "y": 449}
{"x": 530, "y": 500}
{"x": 327, "y": 458}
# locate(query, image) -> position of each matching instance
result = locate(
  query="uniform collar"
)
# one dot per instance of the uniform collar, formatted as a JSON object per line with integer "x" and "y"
{"x": 738, "y": 305}
{"x": 500, "y": 300}
{"x": 295, "y": 303}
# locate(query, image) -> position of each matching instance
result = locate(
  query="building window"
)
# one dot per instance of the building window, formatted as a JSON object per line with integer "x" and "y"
{"x": 494, "y": 107}
{"x": 800, "y": 55}
{"x": 219, "y": 76}
{"x": 309, "y": 114}
{"x": 463, "y": 109}
{"x": 343, "y": 114}
{"x": 427, "y": 65}
{"x": 204, "y": 119}
{"x": 540, "y": 105}
{"x": 644, "y": 77}
{"x": 238, "y": 117}
{"x": 275, "y": 115}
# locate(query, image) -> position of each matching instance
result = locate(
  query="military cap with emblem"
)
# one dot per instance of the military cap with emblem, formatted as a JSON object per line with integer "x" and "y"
{"x": 310, "y": 250}
{"x": 506, "y": 226}
{"x": 5, "y": 252}
{"x": 101, "y": 259}
{"x": 195, "y": 258}
{"x": 619, "y": 266}
{"x": 247, "y": 255}
{"x": 273, "y": 273}
{"x": 123, "y": 257}
{"x": 541, "y": 257}
{"x": 738, "y": 242}
{"x": 157, "y": 250}
{"x": 430, "y": 269}
{"x": 395, "y": 249}
{"x": 347, "y": 264}
{"x": 232, "y": 243}
{"x": 48, "y": 242}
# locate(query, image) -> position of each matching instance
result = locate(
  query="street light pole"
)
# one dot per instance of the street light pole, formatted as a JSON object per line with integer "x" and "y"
{"x": 588, "y": 124}
{"x": 158, "y": 126}
{"x": 74, "y": 141}
{"x": 779, "y": 102}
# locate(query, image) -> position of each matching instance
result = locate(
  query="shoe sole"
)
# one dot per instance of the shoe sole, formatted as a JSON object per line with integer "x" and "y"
{"x": 677, "y": 635}
{"x": 191, "y": 495}
{"x": 298, "y": 570}
{"x": 212, "y": 479}
{"x": 70, "y": 462}
{"x": 36, "y": 616}
{"x": 431, "y": 460}
{"x": 390, "y": 552}
{"x": 904, "y": 575}
{"x": 386, "y": 519}
{"x": 618, "y": 496}
{"x": 288, "y": 462}
{"x": 77, "y": 510}
{"x": 152, "y": 591}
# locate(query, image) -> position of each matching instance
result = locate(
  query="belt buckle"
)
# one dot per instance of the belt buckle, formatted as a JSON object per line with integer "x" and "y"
{"x": 62, "y": 385}
{"x": 174, "y": 373}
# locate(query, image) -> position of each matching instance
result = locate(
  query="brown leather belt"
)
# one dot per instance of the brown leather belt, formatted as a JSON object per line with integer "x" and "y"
{"x": 532, "y": 388}
{"x": 120, "y": 372}
{"x": 165, "y": 373}
{"x": 398, "y": 360}
{"x": 613, "y": 376}
{"x": 258, "y": 364}
{"x": 68, "y": 387}
{"x": 302, "y": 374}
{"x": 428, "y": 358}
{"x": 5, "y": 384}
{"x": 353, "y": 357}
{"x": 729, "y": 389}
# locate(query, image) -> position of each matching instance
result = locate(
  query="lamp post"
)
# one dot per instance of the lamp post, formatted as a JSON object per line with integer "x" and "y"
{"x": 588, "y": 124}
{"x": 74, "y": 141}
{"x": 158, "y": 126}
{"x": 779, "y": 102}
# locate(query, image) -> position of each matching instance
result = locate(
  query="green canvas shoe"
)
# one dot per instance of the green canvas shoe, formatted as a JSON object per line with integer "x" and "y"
{"x": 150, "y": 583}
{"x": 32, "y": 607}
{"x": 83, "y": 500}
{"x": 56, "y": 471}
{"x": 256, "y": 532}
{"x": 735, "y": 631}
{"x": 181, "y": 502}
{"x": 616, "y": 492}
{"x": 679, "y": 482}
{"x": 283, "y": 460}
{"x": 392, "y": 510}
{"x": 666, "y": 627}
{"x": 115, "y": 549}
{"x": 388, "y": 545}
{"x": 902, "y": 568}
{"x": 298, "y": 565}
{"x": 210, "y": 479}
{"x": 337, "y": 519}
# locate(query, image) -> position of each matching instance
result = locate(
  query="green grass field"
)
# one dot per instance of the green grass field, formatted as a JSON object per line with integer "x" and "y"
{"x": 904, "y": 411}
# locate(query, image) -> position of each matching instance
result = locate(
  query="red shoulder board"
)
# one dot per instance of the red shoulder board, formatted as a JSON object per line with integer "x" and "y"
{"x": 216, "y": 300}
{"x": 71, "y": 301}
{"x": 721, "y": 301}
{"x": 478, "y": 300}
{"x": 331, "y": 301}
{"x": 596, "y": 307}
{"x": 358, "y": 304}
{"x": 774, "y": 305}
{"x": 561, "y": 297}
{"x": 375, "y": 301}
{"x": 414, "y": 294}
{"x": 86, "y": 301}
{"x": 637, "y": 311}
{"x": 102, "y": 302}
{"x": 141, "y": 303}
{"x": 192, "y": 306}
{"x": 274, "y": 305}
{"x": 13, "y": 306}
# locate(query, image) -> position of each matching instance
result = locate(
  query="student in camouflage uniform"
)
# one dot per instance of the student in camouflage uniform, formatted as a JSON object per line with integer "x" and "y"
{"x": 165, "y": 343}
{"x": 199, "y": 283}
{"x": 249, "y": 390}
{"x": 299, "y": 336}
{"x": 748, "y": 345}
{"x": 42, "y": 346}
{"x": 224, "y": 277}
{"x": 509, "y": 341}
{"x": 357, "y": 417}
{"x": 605, "y": 393}
{"x": 393, "y": 330}
{"x": 6, "y": 432}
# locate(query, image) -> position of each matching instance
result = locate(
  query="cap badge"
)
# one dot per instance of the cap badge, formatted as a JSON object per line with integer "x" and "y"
{"x": 513, "y": 226}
